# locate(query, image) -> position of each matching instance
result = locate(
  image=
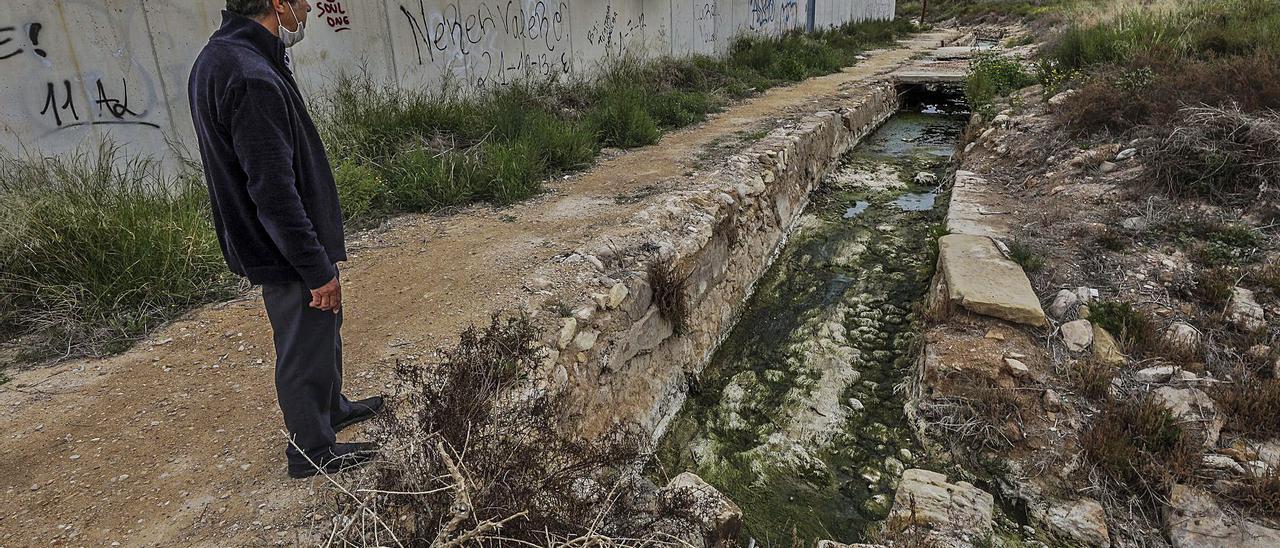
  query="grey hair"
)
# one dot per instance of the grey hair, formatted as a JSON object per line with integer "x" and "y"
{"x": 249, "y": 8}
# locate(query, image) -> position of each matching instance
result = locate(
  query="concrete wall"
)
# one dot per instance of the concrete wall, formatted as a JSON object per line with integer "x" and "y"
{"x": 74, "y": 70}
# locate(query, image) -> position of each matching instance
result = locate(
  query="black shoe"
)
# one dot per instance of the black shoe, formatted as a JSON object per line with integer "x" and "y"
{"x": 343, "y": 456}
{"x": 361, "y": 411}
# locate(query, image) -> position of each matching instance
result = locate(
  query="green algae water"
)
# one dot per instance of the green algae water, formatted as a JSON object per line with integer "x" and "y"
{"x": 797, "y": 417}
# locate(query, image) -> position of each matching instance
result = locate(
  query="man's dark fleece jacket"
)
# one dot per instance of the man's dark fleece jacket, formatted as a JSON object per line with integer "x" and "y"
{"x": 275, "y": 205}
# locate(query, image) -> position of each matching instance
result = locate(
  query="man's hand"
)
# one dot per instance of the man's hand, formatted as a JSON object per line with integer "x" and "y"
{"x": 328, "y": 297}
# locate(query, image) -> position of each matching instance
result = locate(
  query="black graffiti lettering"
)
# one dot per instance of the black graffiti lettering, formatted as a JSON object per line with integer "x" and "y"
{"x": 5, "y": 40}
{"x": 471, "y": 35}
{"x": 118, "y": 108}
{"x": 763, "y": 12}
{"x": 51, "y": 103}
{"x": 33, "y": 32}
{"x": 707, "y": 19}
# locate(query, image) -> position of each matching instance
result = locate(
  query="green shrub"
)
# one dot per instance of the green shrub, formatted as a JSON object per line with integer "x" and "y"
{"x": 511, "y": 172}
{"x": 621, "y": 118}
{"x": 991, "y": 76}
{"x": 1029, "y": 257}
{"x": 96, "y": 249}
{"x": 1132, "y": 327}
{"x": 361, "y": 191}
{"x": 425, "y": 180}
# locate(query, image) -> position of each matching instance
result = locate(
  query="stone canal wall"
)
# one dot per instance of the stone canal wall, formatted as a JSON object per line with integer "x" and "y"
{"x": 73, "y": 70}
{"x": 621, "y": 357}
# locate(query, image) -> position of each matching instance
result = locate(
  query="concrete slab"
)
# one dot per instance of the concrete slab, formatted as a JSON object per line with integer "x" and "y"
{"x": 980, "y": 279}
{"x": 976, "y": 208}
{"x": 958, "y": 52}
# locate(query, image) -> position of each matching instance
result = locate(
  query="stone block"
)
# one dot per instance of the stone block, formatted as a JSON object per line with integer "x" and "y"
{"x": 980, "y": 279}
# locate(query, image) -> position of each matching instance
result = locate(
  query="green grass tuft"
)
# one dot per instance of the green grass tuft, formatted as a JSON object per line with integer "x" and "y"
{"x": 96, "y": 249}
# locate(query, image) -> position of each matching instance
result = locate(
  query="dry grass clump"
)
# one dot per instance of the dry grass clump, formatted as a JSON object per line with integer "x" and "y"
{"x": 477, "y": 456}
{"x": 669, "y": 290}
{"x": 1150, "y": 92}
{"x": 1092, "y": 379}
{"x": 976, "y": 412}
{"x": 1222, "y": 154}
{"x": 1138, "y": 447}
{"x": 1251, "y": 406}
{"x": 1258, "y": 492}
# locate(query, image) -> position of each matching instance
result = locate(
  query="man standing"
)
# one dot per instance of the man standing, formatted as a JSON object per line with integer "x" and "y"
{"x": 275, "y": 208}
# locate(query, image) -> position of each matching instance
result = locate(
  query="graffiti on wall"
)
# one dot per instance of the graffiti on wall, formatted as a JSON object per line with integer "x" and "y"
{"x": 707, "y": 21}
{"x": 613, "y": 36}
{"x": 334, "y": 14}
{"x": 480, "y": 37}
{"x": 33, "y": 38}
{"x": 778, "y": 15}
{"x": 75, "y": 100}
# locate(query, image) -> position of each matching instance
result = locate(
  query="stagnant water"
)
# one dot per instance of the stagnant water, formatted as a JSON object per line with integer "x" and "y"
{"x": 796, "y": 417}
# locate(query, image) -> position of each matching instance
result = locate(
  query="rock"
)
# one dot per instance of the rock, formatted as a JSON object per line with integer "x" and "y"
{"x": 1107, "y": 167}
{"x": 1052, "y": 401}
{"x": 1126, "y": 154}
{"x": 1077, "y": 335}
{"x": 893, "y": 467}
{"x": 567, "y": 331}
{"x": 979, "y": 278}
{"x": 718, "y": 519}
{"x": 1194, "y": 410}
{"x": 1181, "y": 336}
{"x": 1135, "y": 224}
{"x": 1061, "y": 97}
{"x": 1269, "y": 453}
{"x": 1017, "y": 368}
{"x": 925, "y": 178}
{"x": 1063, "y": 303}
{"x": 1105, "y": 348}
{"x": 1244, "y": 311}
{"x": 585, "y": 312}
{"x": 1081, "y": 522}
{"x": 958, "y": 514}
{"x": 1154, "y": 375}
{"x": 1194, "y": 519}
{"x": 540, "y": 284}
{"x": 617, "y": 294}
{"x": 1222, "y": 463}
{"x": 586, "y": 340}
{"x": 994, "y": 334}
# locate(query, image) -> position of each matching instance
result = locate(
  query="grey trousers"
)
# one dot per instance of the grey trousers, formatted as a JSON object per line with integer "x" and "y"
{"x": 308, "y": 368}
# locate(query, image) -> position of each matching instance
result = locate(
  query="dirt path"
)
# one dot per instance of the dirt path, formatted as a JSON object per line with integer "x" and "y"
{"x": 177, "y": 442}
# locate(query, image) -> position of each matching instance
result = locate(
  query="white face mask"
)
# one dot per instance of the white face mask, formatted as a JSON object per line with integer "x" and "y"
{"x": 291, "y": 37}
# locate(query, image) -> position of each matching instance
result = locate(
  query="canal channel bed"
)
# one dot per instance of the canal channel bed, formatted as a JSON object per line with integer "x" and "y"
{"x": 797, "y": 416}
